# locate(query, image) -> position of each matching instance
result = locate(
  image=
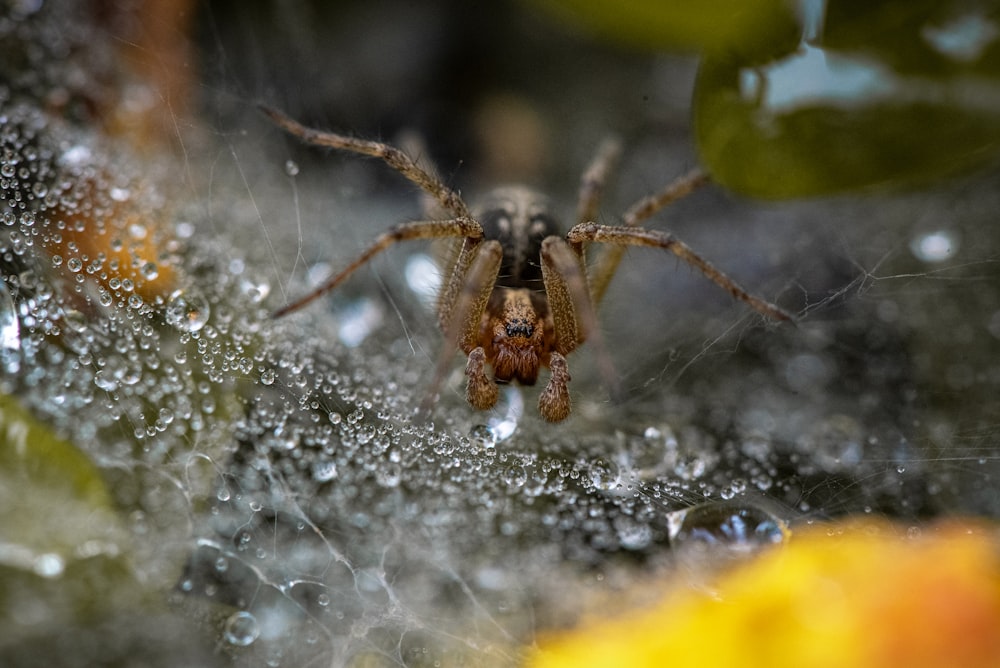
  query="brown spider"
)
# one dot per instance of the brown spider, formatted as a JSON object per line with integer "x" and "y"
{"x": 498, "y": 304}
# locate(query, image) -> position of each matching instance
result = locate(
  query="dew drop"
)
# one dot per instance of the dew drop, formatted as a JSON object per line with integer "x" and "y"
{"x": 186, "y": 311}
{"x": 150, "y": 271}
{"x": 324, "y": 471}
{"x": 291, "y": 168}
{"x": 268, "y": 376}
{"x": 515, "y": 476}
{"x": 241, "y": 629}
{"x": 733, "y": 527}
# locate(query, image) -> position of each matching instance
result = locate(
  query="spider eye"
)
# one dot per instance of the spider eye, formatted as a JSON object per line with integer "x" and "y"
{"x": 519, "y": 327}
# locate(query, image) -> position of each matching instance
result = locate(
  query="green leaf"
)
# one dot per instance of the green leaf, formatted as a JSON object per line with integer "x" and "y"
{"x": 63, "y": 549}
{"x": 750, "y": 27}
{"x": 881, "y": 94}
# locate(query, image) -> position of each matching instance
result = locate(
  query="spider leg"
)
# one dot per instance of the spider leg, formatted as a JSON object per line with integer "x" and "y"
{"x": 595, "y": 178}
{"x": 574, "y": 320}
{"x": 470, "y": 292}
{"x": 620, "y": 236}
{"x": 677, "y": 189}
{"x": 427, "y": 229}
{"x": 390, "y": 155}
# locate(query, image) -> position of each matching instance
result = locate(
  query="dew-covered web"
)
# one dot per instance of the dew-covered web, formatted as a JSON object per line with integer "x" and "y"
{"x": 274, "y": 482}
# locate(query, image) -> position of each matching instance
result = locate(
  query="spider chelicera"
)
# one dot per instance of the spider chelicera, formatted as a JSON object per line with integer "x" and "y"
{"x": 517, "y": 295}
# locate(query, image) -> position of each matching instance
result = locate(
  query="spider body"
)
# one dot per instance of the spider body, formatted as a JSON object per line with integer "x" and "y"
{"x": 516, "y": 331}
{"x": 517, "y": 294}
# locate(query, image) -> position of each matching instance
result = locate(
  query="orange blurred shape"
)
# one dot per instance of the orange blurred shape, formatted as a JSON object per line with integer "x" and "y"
{"x": 859, "y": 594}
{"x": 118, "y": 236}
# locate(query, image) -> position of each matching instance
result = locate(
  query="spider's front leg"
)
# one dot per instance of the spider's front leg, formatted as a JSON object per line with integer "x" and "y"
{"x": 461, "y": 304}
{"x": 620, "y": 235}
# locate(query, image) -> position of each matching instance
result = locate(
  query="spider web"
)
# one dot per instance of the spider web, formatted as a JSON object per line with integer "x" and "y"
{"x": 278, "y": 487}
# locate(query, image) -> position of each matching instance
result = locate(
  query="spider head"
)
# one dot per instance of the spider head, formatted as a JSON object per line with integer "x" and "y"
{"x": 516, "y": 337}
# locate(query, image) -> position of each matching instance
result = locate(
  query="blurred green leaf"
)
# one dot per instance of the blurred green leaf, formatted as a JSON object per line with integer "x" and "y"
{"x": 63, "y": 549}
{"x": 881, "y": 94}
{"x": 753, "y": 28}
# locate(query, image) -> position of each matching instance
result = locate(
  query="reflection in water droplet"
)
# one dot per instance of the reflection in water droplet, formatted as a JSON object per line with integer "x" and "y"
{"x": 482, "y": 436}
{"x": 935, "y": 246}
{"x": 515, "y": 476}
{"x": 241, "y": 629}
{"x": 187, "y": 311}
{"x": 734, "y": 527}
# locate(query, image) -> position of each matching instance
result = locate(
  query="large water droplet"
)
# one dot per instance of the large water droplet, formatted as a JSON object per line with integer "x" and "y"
{"x": 241, "y": 629}
{"x": 187, "y": 311}
{"x": 726, "y": 527}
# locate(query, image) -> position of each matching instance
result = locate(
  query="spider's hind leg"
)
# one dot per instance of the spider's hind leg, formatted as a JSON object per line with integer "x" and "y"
{"x": 595, "y": 179}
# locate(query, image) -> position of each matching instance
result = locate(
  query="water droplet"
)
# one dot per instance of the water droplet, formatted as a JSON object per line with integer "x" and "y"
{"x": 241, "y": 629}
{"x": 291, "y": 168}
{"x": 389, "y": 474}
{"x": 515, "y": 476}
{"x": 186, "y": 311}
{"x": 734, "y": 527}
{"x": 150, "y": 271}
{"x": 934, "y": 246}
{"x": 74, "y": 264}
{"x": 604, "y": 474}
{"x": 324, "y": 471}
{"x": 482, "y": 436}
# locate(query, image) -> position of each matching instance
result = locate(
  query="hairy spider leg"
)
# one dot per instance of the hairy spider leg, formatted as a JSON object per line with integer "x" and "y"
{"x": 595, "y": 178}
{"x": 462, "y": 314}
{"x": 607, "y": 263}
{"x": 425, "y": 229}
{"x": 621, "y": 236}
{"x": 574, "y": 320}
{"x": 390, "y": 155}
